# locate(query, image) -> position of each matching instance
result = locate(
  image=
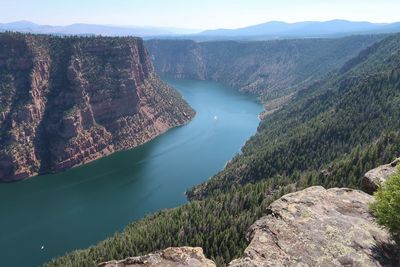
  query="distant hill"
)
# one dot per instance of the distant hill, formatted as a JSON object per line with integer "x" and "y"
{"x": 264, "y": 31}
{"x": 92, "y": 29}
{"x": 277, "y": 29}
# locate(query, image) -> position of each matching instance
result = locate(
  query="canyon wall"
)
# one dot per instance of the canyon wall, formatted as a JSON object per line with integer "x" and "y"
{"x": 65, "y": 101}
{"x": 274, "y": 68}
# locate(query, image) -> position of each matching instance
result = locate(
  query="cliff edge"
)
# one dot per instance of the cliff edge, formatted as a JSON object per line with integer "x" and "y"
{"x": 319, "y": 227}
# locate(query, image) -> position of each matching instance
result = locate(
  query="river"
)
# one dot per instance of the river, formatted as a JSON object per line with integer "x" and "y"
{"x": 47, "y": 216}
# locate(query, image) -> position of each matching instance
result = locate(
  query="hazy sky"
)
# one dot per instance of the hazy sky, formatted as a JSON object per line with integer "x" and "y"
{"x": 200, "y": 14}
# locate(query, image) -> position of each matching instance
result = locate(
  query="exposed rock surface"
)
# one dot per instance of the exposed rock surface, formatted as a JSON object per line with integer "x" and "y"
{"x": 271, "y": 67}
{"x": 376, "y": 177}
{"x": 67, "y": 101}
{"x": 170, "y": 257}
{"x": 318, "y": 227}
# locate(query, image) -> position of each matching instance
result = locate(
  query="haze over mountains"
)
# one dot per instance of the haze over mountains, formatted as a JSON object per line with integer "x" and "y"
{"x": 92, "y": 29}
{"x": 306, "y": 29}
{"x": 268, "y": 30}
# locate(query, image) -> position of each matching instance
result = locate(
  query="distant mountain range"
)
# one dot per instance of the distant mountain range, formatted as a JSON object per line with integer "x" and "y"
{"x": 264, "y": 31}
{"x": 93, "y": 29}
{"x": 278, "y": 29}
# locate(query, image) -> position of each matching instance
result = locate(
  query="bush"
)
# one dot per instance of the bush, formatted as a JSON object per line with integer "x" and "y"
{"x": 387, "y": 205}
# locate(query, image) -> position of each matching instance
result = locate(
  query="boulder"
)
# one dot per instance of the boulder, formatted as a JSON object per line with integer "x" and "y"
{"x": 177, "y": 257}
{"x": 319, "y": 227}
{"x": 375, "y": 177}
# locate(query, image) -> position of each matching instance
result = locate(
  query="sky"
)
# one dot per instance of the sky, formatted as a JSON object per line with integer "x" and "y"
{"x": 195, "y": 14}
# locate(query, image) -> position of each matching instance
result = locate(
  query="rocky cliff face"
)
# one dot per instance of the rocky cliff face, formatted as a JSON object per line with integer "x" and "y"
{"x": 67, "y": 101}
{"x": 170, "y": 257}
{"x": 269, "y": 67}
{"x": 318, "y": 227}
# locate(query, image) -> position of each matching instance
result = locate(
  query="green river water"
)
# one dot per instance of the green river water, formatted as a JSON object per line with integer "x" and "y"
{"x": 47, "y": 216}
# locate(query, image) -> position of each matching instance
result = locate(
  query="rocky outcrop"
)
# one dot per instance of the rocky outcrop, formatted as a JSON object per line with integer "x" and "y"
{"x": 170, "y": 257}
{"x": 318, "y": 227}
{"x": 68, "y": 101}
{"x": 275, "y": 68}
{"x": 376, "y": 177}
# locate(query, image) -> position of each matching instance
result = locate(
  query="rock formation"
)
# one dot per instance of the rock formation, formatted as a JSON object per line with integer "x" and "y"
{"x": 318, "y": 227}
{"x": 376, "y": 177}
{"x": 170, "y": 257}
{"x": 65, "y": 101}
{"x": 275, "y": 68}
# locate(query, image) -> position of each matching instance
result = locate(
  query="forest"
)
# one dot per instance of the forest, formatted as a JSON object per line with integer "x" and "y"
{"x": 329, "y": 134}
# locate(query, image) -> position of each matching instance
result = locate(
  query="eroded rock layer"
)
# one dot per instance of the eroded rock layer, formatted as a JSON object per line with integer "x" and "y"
{"x": 67, "y": 101}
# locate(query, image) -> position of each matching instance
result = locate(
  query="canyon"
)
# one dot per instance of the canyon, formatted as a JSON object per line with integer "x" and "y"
{"x": 328, "y": 126}
{"x": 66, "y": 101}
{"x": 332, "y": 108}
{"x": 127, "y": 185}
{"x": 270, "y": 68}
{"x": 341, "y": 121}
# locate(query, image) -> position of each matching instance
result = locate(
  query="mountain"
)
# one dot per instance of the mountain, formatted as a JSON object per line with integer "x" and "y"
{"x": 277, "y": 29}
{"x": 18, "y": 25}
{"x": 271, "y": 68}
{"x": 264, "y": 31}
{"x": 92, "y": 29}
{"x": 67, "y": 101}
{"x": 330, "y": 133}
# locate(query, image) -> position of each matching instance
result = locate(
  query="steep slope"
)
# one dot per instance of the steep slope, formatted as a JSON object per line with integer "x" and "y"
{"x": 270, "y": 67}
{"x": 331, "y": 121}
{"x": 220, "y": 224}
{"x": 67, "y": 101}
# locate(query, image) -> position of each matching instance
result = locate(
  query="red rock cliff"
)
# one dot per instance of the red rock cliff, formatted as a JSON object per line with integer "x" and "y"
{"x": 68, "y": 101}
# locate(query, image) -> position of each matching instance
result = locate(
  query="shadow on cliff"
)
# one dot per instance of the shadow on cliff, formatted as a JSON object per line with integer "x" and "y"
{"x": 60, "y": 52}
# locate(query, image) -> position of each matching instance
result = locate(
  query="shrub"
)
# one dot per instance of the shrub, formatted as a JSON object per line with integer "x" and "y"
{"x": 387, "y": 205}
